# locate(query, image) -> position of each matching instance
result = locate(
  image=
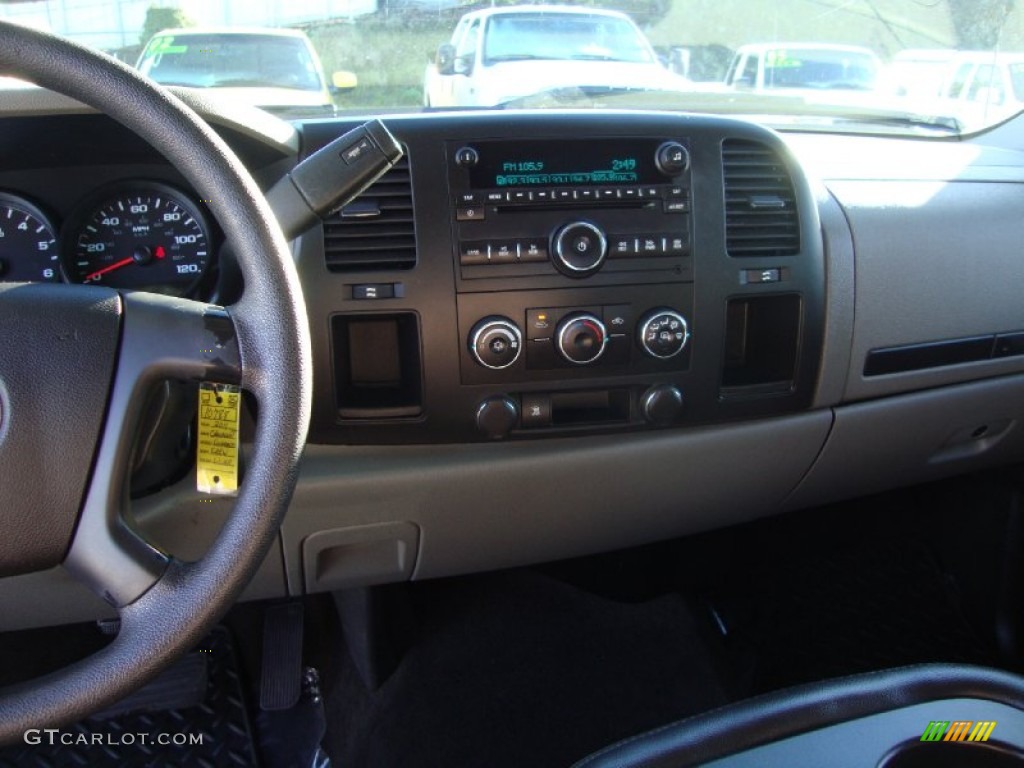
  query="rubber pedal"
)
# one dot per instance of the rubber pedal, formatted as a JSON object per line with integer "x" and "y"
{"x": 281, "y": 677}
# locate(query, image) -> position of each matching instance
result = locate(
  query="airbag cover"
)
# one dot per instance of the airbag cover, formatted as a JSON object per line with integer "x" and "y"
{"x": 56, "y": 364}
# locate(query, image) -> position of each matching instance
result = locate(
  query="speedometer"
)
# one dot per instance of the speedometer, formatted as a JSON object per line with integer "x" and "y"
{"x": 148, "y": 236}
{"x": 28, "y": 245}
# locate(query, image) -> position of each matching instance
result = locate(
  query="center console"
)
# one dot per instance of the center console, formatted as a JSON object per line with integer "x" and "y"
{"x": 568, "y": 274}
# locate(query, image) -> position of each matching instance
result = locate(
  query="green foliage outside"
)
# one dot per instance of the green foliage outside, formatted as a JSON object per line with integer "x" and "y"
{"x": 158, "y": 18}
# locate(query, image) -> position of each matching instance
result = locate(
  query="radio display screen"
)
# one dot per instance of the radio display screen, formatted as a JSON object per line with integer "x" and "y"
{"x": 604, "y": 162}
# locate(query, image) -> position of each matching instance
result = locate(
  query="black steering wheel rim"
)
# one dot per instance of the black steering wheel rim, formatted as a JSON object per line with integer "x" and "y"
{"x": 271, "y": 328}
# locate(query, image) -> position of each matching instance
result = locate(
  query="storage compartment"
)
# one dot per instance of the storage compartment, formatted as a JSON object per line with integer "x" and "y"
{"x": 762, "y": 341}
{"x": 953, "y": 754}
{"x": 377, "y": 370}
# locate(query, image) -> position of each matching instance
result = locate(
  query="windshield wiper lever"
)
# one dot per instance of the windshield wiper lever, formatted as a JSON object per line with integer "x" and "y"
{"x": 331, "y": 177}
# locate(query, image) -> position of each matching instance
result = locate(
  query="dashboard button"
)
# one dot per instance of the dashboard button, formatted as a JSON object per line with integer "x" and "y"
{"x": 470, "y": 213}
{"x": 495, "y": 197}
{"x": 504, "y": 253}
{"x": 630, "y": 193}
{"x": 533, "y": 251}
{"x": 586, "y": 194}
{"x": 536, "y": 411}
{"x": 618, "y": 318}
{"x": 473, "y": 253}
{"x": 542, "y": 195}
{"x": 621, "y": 246}
{"x": 677, "y": 190}
{"x": 677, "y": 206}
{"x": 608, "y": 194}
{"x": 540, "y": 323}
{"x": 674, "y": 245}
{"x": 761, "y": 275}
{"x": 562, "y": 195}
{"x": 370, "y": 291}
{"x": 650, "y": 246}
{"x": 519, "y": 196}
{"x": 650, "y": 192}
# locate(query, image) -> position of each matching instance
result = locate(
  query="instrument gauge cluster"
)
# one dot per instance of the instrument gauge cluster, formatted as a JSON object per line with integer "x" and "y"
{"x": 141, "y": 235}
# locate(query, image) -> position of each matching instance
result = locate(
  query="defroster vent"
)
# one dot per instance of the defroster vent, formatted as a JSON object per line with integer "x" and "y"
{"x": 760, "y": 204}
{"x": 376, "y": 231}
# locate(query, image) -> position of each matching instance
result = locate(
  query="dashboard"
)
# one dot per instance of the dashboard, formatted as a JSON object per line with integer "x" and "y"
{"x": 628, "y": 326}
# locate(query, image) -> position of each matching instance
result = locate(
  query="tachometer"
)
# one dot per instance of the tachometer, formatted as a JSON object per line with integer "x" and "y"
{"x": 147, "y": 236}
{"x": 28, "y": 243}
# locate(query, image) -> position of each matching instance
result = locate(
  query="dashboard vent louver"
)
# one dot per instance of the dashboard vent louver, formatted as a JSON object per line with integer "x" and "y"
{"x": 760, "y": 204}
{"x": 376, "y": 231}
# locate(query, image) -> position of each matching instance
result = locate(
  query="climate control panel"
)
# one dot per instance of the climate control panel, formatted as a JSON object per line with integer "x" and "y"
{"x": 575, "y": 334}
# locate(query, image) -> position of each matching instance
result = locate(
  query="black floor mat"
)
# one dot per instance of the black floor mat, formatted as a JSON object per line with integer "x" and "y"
{"x": 868, "y": 607}
{"x": 220, "y": 723}
{"x": 518, "y": 669}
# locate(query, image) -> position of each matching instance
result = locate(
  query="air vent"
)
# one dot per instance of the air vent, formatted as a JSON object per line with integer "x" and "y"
{"x": 760, "y": 205}
{"x": 375, "y": 231}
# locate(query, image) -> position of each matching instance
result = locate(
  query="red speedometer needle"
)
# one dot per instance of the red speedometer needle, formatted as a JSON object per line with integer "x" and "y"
{"x": 111, "y": 268}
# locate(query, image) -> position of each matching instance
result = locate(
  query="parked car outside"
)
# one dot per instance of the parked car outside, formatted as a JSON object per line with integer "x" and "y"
{"x": 810, "y": 66}
{"x": 497, "y": 55}
{"x": 276, "y": 69}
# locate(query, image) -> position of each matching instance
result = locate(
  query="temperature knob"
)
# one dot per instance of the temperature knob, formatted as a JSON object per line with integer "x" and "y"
{"x": 581, "y": 338}
{"x": 495, "y": 342}
{"x": 579, "y": 249}
{"x": 664, "y": 333}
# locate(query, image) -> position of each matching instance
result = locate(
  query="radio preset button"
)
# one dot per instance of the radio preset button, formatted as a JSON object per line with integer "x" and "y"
{"x": 579, "y": 249}
{"x": 608, "y": 194}
{"x": 674, "y": 245}
{"x": 542, "y": 195}
{"x": 533, "y": 251}
{"x": 519, "y": 196}
{"x": 586, "y": 194}
{"x": 562, "y": 195}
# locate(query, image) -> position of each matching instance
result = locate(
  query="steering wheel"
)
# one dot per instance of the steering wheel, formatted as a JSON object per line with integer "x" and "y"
{"x": 74, "y": 364}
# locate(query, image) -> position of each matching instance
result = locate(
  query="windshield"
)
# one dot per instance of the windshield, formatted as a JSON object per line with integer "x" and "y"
{"x": 563, "y": 36}
{"x": 230, "y": 59}
{"x": 925, "y": 67}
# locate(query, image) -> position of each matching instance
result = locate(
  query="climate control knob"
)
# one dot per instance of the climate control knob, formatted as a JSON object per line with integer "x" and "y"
{"x": 579, "y": 249}
{"x": 663, "y": 333}
{"x": 581, "y": 338}
{"x": 495, "y": 342}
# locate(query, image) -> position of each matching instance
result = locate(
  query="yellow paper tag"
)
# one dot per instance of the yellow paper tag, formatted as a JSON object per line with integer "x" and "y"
{"x": 217, "y": 461}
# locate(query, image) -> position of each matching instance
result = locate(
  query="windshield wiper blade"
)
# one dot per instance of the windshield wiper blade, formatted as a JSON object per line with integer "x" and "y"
{"x": 941, "y": 123}
{"x": 518, "y": 57}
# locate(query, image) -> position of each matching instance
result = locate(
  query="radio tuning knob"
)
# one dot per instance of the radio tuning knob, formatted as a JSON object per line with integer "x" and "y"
{"x": 581, "y": 338}
{"x": 672, "y": 158}
{"x": 579, "y": 249}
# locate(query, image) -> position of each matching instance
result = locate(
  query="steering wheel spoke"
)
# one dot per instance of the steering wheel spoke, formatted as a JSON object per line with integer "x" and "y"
{"x": 161, "y": 338}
